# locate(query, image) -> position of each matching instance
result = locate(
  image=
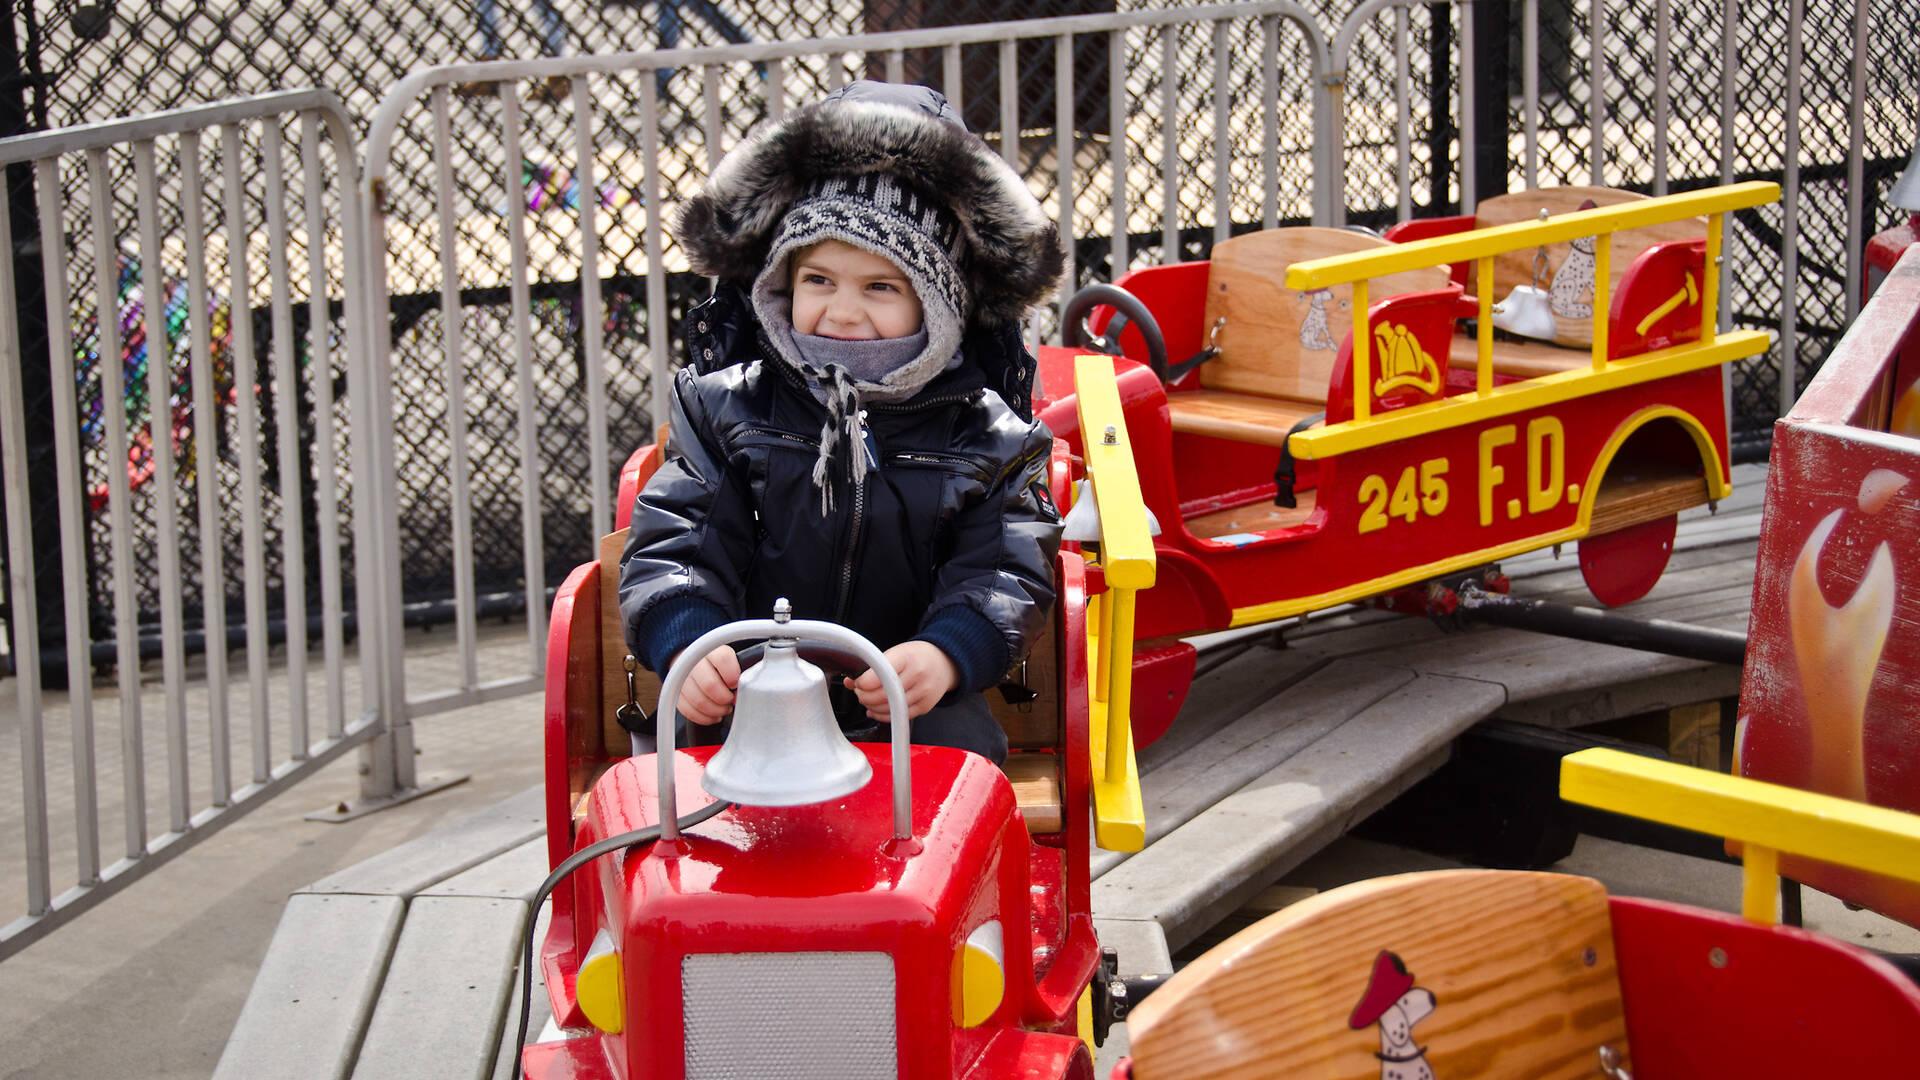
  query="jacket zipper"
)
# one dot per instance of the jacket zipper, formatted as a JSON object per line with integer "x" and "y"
{"x": 926, "y": 458}
{"x": 787, "y": 436}
{"x": 930, "y": 403}
{"x": 853, "y": 529}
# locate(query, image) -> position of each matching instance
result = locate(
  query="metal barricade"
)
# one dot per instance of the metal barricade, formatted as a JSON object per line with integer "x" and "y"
{"x": 229, "y": 383}
{"x": 1152, "y": 180}
{"x": 1628, "y": 116}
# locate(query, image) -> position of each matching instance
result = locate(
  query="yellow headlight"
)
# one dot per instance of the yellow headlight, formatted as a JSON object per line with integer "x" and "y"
{"x": 979, "y": 975}
{"x": 600, "y": 988}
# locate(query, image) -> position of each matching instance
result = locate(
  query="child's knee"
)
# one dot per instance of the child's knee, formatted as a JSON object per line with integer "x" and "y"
{"x": 965, "y": 724}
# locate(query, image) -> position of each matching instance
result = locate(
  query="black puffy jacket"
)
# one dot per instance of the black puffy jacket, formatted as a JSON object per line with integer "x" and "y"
{"x": 950, "y": 536}
{"x": 956, "y": 514}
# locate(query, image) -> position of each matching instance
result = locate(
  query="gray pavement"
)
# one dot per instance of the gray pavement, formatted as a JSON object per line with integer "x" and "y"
{"x": 149, "y": 983}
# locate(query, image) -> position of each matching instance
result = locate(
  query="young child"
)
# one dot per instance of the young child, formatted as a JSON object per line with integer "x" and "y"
{"x": 855, "y": 432}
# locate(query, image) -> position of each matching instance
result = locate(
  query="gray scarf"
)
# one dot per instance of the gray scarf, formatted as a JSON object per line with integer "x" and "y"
{"x": 843, "y": 373}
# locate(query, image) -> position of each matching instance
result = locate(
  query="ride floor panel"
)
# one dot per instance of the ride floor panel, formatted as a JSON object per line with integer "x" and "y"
{"x": 1295, "y": 732}
{"x": 1285, "y": 741}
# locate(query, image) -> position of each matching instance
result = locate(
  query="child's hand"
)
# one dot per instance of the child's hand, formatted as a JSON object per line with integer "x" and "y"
{"x": 925, "y": 674}
{"x": 707, "y": 695}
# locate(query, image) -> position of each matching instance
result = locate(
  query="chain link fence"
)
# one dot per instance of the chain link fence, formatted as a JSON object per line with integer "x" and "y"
{"x": 1691, "y": 154}
{"x": 110, "y": 59}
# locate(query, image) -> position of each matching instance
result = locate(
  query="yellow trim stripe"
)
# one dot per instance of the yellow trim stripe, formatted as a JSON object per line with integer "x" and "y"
{"x": 1563, "y": 228}
{"x": 1768, "y": 818}
{"x": 1717, "y": 488}
{"x": 1453, "y": 412}
{"x": 1126, "y": 548}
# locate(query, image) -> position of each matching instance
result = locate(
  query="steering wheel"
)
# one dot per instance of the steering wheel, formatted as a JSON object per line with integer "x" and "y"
{"x": 828, "y": 659}
{"x": 1126, "y": 307}
{"x": 785, "y": 631}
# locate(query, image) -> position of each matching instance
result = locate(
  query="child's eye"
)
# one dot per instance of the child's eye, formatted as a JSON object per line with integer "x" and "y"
{"x": 884, "y": 286}
{"x": 814, "y": 279}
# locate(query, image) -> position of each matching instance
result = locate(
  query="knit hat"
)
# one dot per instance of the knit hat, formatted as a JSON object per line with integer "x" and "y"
{"x": 887, "y": 217}
{"x": 890, "y": 169}
{"x": 905, "y": 133}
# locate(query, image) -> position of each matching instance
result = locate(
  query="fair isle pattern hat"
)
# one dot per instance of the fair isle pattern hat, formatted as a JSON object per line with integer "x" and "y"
{"x": 880, "y": 214}
{"x": 1014, "y": 258}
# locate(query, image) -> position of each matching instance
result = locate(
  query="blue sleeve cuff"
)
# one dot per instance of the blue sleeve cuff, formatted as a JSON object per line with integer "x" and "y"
{"x": 672, "y": 625}
{"x": 977, "y": 648}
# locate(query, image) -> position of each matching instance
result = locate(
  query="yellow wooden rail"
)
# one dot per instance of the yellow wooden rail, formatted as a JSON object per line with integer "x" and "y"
{"x": 1516, "y": 397}
{"x": 1126, "y": 560}
{"x": 1560, "y": 229}
{"x": 1481, "y": 245}
{"x": 1767, "y": 819}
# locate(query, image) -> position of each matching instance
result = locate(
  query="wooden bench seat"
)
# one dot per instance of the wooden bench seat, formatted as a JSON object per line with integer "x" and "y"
{"x": 1240, "y": 417}
{"x": 1519, "y": 359}
{"x": 1254, "y": 518}
{"x": 1035, "y": 776}
{"x": 1278, "y": 346}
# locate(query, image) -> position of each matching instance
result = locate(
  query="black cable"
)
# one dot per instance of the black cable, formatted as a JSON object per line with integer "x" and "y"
{"x": 574, "y": 862}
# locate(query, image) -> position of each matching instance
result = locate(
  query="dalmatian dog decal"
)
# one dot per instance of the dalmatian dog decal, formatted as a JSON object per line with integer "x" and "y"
{"x": 1572, "y": 289}
{"x": 1395, "y": 1004}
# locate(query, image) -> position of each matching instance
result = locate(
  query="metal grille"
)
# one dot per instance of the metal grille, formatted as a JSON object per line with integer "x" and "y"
{"x": 194, "y": 367}
{"x": 793, "y": 1015}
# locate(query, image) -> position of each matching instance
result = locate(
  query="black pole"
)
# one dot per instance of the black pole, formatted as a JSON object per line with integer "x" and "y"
{"x": 1490, "y": 28}
{"x": 1605, "y": 627}
{"x": 20, "y": 113}
{"x": 1440, "y": 107}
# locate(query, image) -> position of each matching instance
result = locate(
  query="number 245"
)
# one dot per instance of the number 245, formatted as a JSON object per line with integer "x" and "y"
{"x": 1405, "y": 501}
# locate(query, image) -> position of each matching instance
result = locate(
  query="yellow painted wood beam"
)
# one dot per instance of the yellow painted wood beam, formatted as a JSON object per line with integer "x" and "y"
{"x": 1520, "y": 396}
{"x": 1560, "y": 229}
{"x": 1770, "y": 820}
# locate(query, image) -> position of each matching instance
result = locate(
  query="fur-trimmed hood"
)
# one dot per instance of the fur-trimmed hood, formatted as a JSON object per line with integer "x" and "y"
{"x": 1012, "y": 254}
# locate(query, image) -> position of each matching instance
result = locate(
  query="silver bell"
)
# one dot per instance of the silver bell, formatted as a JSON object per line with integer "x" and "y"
{"x": 785, "y": 748}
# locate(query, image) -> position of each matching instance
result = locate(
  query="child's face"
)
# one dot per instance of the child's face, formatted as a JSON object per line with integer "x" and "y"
{"x": 841, "y": 291}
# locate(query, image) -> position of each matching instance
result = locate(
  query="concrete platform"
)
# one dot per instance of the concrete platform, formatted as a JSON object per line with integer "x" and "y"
{"x": 1289, "y": 739}
{"x": 395, "y": 940}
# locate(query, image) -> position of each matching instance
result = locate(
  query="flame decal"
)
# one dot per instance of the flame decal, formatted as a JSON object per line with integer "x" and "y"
{"x": 1837, "y": 649}
{"x": 1906, "y": 413}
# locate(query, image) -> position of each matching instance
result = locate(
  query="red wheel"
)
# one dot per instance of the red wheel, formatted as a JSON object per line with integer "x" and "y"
{"x": 1619, "y": 567}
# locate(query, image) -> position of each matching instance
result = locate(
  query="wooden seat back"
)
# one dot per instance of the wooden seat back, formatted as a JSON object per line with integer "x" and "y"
{"x": 1504, "y": 974}
{"x": 1277, "y": 342}
{"x": 613, "y": 651}
{"x": 1569, "y": 268}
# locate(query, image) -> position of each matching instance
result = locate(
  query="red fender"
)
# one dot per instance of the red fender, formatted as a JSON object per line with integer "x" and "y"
{"x": 1032, "y": 1055}
{"x": 1185, "y": 595}
{"x": 1161, "y": 678}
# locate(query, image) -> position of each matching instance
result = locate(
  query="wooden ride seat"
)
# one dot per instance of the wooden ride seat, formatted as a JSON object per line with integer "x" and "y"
{"x": 1471, "y": 972}
{"x": 1278, "y": 350}
{"x": 1033, "y": 764}
{"x": 1278, "y": 346}
{"x": 1566, "y": 272}
{"x": 1506, "y": 974}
